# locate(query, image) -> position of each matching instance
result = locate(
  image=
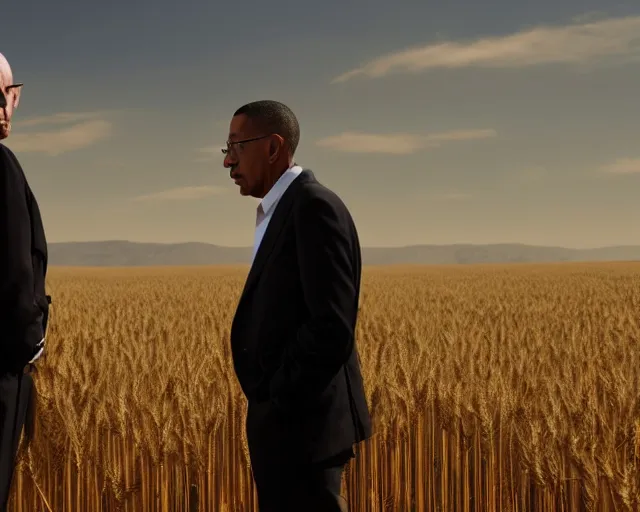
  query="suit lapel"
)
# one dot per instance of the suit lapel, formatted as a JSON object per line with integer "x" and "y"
{"x": 274, "y": 229}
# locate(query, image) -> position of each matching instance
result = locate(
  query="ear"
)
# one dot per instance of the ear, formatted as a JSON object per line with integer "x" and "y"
{"x": 276, "y": 147}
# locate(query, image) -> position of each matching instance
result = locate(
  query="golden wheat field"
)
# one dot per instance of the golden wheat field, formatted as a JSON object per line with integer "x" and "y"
{"x": 493, "y": 388}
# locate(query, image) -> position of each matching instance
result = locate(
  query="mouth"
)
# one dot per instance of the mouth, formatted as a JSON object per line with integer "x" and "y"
{"x": 235, "y": 177}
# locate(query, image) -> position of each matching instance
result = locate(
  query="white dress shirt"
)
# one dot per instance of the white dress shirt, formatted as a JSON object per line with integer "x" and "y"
{"x": 269, "y": 202}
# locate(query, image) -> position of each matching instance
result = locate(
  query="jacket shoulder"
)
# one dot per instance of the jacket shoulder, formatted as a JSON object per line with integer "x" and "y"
{"x": 9, "y": 162}
{"x": 6, "y": 154}
{"x": 312, "y": 191}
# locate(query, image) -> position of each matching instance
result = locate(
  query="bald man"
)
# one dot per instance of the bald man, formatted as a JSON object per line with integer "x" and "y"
{"x": 24, "y": 305}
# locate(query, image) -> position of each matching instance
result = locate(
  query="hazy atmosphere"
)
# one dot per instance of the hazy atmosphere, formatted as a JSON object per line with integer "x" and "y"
{"x": 492, "y": 122}
{"x": 480, "y": 353}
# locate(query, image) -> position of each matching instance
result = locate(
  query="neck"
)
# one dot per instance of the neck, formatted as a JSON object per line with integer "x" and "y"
{"x": 275, "y": 176}
{"x": 282, "y": 170}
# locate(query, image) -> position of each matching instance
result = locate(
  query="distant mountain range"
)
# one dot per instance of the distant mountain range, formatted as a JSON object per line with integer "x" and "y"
{"x": 124, "y": 253}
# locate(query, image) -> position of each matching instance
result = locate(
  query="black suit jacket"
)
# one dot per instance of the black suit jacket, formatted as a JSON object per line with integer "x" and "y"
{"x": 24, "y": 305}
{"x": 292, "y": 337}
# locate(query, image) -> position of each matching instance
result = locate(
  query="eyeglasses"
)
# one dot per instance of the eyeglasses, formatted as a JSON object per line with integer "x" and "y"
{"x": 5, "y": 93}
{"x": 231, "y": 146}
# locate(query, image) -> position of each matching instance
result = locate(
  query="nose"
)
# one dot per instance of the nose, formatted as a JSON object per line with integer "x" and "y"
{"x": 229, "y": 161}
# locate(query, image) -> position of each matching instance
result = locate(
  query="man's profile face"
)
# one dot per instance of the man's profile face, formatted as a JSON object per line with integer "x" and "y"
{"x": 12, "y": 97}
{"x": 249, "y": 161}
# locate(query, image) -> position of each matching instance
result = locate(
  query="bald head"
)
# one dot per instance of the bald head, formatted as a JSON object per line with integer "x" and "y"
{"x": 11, "y": 97}
{"x": 6, "y": 76}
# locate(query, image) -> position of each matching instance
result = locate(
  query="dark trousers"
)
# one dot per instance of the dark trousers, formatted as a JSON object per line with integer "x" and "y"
{"x": 15, "y": 395}
{"x": 284, "y": 482}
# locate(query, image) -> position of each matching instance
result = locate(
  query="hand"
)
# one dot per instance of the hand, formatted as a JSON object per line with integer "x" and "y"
{"x": 39, "y": 352}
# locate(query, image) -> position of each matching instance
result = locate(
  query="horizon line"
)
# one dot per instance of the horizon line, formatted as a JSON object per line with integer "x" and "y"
{"x": 406, "y": 246}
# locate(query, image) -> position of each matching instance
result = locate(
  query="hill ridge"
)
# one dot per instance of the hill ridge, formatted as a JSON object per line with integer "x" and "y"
{"x": 131, "y": 253}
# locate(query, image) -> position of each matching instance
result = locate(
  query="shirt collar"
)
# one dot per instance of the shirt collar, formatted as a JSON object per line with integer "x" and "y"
{"x": 273, "y": 196}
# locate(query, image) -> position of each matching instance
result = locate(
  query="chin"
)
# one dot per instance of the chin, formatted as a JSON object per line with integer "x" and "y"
{"x": 245, "y": 191}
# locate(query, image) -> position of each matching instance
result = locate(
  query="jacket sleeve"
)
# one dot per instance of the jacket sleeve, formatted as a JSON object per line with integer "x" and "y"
{"x": 324, "y": 343}
{"x": 20, "y": 317}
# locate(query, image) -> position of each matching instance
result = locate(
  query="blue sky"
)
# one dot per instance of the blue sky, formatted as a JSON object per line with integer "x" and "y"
{"x": 470, "y": 122}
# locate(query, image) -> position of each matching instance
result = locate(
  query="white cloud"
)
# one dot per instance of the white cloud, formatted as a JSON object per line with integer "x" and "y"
{"x": 397, "y": 143}
{"x": 577, "y": 43}
{"x": 458, "y": 135}
{"x": 183, "y": 194}
{"x": 54, "y": 143}
{"x": 623, "y": 166}
{"x": 213, "y": 154}
{"x": 59, "y": 118}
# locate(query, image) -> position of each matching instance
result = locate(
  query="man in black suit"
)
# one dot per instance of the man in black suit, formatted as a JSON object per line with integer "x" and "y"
{"x": 24, "y": 306}
{"x": 292, "y": 337}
